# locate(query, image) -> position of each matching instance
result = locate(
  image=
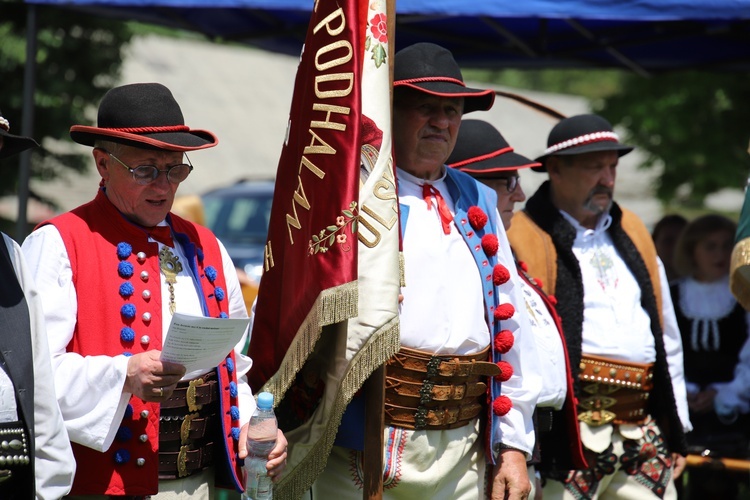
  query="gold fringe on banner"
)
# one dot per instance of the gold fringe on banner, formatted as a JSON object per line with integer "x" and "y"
{"x": 333, "y": 305}
{"x": 382, "y": 345}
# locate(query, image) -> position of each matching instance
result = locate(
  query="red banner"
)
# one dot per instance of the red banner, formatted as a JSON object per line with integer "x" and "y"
{"x": 310, "y": 272}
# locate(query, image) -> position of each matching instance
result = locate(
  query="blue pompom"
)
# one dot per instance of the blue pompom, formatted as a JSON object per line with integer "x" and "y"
{"x": 127, "y": 289}
{"x": 127, "y": 354}
{"x": 236, "y": 433}
{"x": 128, "y": 411}
{"x": 124, "y": 250}
{"x": 230, "y": 365}
{"x": 234, "y": 412}
{"x": 211, "y": 274}
{"x": 219, "y": 293}
{"x": 233, "y": 389}
{"x": 125, "y": 269}
{"x": 124, "y": 434}
{"x": 122, "y": 456}
{"x": 128, "y": 311}
{"x": 127, "y": 334}
{"x": 223, "y": 315}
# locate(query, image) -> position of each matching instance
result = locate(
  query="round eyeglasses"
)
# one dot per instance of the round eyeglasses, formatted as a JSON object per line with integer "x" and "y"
{"x": 146, "y": 174}
{"x": 511, "y": 182}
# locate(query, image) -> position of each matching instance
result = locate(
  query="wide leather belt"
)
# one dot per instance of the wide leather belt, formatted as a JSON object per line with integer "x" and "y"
{"x": 185, "y": 462}
{"x": 194, "y": 393}
{"x": 617, "y": 391}
{"x": 188, "y": 426}
{"x": 428, "y": 391}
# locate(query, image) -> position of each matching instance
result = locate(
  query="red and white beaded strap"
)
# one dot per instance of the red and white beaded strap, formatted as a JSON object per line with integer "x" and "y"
{"x": 583, "y": 139}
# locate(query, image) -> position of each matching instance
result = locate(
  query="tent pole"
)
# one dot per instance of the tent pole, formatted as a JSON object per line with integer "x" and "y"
{"x": 27, "y": 120}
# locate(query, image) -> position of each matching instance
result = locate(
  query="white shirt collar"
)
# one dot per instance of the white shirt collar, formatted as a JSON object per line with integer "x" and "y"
{"x": 406, "y": 176}
{"x": 585, "y": 234}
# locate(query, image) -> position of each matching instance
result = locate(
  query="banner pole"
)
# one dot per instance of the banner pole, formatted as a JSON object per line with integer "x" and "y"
{"x": 374, "y": 386}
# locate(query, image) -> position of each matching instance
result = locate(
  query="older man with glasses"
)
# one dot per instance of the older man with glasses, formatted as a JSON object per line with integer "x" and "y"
{"x": 112, "y": 273}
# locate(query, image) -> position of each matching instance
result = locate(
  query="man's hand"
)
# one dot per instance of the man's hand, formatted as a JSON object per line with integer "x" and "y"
{"x": 702, "y": 402}
{"x": 679, "y": 464}
{"x": 151, "y": 379}
{"x": 276, "y": 459}
{"x": 510, "y": 480}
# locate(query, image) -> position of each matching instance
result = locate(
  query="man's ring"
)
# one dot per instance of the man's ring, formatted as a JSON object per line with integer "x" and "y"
{"x": 161, "y": 392}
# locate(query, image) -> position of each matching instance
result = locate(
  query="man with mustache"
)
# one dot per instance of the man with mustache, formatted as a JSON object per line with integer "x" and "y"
{"x": 612, "y": 294}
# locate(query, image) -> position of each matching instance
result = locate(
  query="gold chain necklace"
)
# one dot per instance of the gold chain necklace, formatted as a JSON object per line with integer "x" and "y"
{"x": 171, "y": 266}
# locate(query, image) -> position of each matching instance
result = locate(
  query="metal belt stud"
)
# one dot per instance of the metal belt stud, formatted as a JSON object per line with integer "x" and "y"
{"x": 420, "y": 418}
{"x": 425, "y": 392}
{"x": 433, "y": 366}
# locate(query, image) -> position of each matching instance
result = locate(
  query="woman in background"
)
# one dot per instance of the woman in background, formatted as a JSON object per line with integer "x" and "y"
{"x": 714, "y": 330}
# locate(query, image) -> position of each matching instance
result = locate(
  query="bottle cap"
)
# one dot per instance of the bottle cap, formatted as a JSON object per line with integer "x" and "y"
{"x": 265, "y": 400}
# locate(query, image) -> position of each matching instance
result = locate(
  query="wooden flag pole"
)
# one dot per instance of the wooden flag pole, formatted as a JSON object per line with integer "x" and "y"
{"x": 374, "y": 386}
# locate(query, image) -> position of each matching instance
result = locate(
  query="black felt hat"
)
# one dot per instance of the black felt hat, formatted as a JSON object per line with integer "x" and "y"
{"x": 13, "y": 144}
{"x": 143, "y": 115}
{"x": 432, "y": 69}
{"x": 582, "y": 134}
{"x": 481, "y": 151}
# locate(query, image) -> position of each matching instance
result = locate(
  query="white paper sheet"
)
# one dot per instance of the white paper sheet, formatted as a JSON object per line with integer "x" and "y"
{"x": 201, "y": 343}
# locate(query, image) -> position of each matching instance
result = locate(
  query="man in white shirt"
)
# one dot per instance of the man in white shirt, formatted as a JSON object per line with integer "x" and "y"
{"x": 112, "y": 273}
{"x": 463, "y": 343}
{"x": 613, "y": 297}
{"x": 36, "y": 460}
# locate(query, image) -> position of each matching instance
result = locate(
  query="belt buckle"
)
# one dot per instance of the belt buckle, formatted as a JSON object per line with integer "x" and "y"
{"x": 420, "y": 418}
{"x": 425, "y": 392}
{"x": 190, "y": 397}
{"x": 182, "y": 462}
{"x": 185, "y": 428}
{"x": 596, "y": 405}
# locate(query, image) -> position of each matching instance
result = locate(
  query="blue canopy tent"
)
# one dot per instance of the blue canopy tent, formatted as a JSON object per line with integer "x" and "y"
{"x": 644, "y": 36}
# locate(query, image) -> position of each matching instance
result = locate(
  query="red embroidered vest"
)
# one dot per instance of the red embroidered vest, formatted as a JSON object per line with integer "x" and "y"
{"x": 117, "y": 279}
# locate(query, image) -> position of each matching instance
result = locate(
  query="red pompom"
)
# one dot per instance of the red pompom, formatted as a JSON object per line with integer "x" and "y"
{"x": 538, "y": 282}
{"x": 506, "y": 371}
{"x": 504, "y": 311}
{"x": 524, "y": 266}
{"x": 504, "y": 341}
{"x": 552, "y": 299}
{"x": 490, "y": 244}
{"x": 500, "y": 274}
{"x": 477, "y": 217}
{"x": 501, "y": 405}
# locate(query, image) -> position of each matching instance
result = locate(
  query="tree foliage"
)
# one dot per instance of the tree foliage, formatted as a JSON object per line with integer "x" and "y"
{"x": 697, "y": 124}
{"x": 78, "y": 59}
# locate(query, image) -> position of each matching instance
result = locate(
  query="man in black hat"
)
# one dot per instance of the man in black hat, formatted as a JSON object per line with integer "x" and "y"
{"x": 599, "y": 260}
{"x": 464, "y": 367}
{"x": 36, "y": 460}
{"x": 112, "y": 273}
{"x": 482, "y": 152}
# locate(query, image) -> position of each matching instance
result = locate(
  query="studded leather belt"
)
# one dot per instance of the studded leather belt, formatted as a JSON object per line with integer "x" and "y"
{"x": 188, "y": 427}
{"x": 193, "y": 393}
{"x": 616, "y": 391}
{"x": 429, "y": 391}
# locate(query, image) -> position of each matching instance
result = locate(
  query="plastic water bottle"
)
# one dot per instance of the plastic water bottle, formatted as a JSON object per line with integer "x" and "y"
{"x": 261, "y": 438}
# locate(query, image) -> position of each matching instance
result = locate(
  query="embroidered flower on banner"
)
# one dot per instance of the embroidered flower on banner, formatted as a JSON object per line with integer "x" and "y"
{"x": 335, "y": 233}
{"x": 377, "y": 36}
